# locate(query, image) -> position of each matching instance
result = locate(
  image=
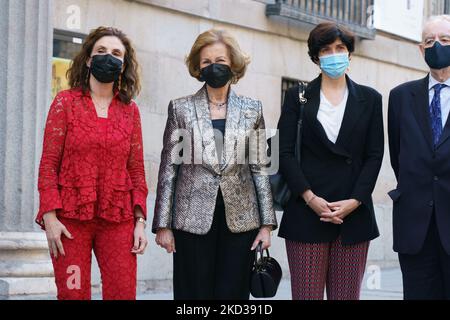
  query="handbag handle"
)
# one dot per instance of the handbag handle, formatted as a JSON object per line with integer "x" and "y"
{"x": 301, "y": 92}
{"x": 303, "y": 100}
{"x": 260, "y": 251}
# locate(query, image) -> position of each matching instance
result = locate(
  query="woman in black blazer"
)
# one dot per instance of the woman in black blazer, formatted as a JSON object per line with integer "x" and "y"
{"x": 330, "y": 219}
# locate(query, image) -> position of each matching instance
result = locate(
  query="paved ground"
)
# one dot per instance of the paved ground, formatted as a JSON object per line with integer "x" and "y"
{"x": 383, "y": 285}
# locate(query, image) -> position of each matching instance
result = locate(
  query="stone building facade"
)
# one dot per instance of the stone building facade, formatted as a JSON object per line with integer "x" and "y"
{"x": 39, "y": 32}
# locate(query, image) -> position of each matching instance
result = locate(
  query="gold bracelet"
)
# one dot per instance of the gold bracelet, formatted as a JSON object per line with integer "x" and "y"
{"x": 142, "y": 220}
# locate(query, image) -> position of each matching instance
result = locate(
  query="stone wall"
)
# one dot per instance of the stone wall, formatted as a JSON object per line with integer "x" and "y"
{"x": 26, "y": 32}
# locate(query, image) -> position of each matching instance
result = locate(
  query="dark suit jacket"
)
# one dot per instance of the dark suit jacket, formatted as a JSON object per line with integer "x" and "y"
{"x": 347, "y": 169}
{"x": 422, "y": 171}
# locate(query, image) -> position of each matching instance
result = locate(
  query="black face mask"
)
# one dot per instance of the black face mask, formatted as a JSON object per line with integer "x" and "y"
{"x": 438, "y": 56}
{"x": 106, "y": 68}
{"x": 216, "y": 75}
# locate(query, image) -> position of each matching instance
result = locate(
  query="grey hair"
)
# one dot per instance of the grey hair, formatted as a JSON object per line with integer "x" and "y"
{"x": 442, "y": 17}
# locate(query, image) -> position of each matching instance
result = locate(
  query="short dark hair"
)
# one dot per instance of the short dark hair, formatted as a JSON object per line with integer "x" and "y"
{"x": 325, "y": 34}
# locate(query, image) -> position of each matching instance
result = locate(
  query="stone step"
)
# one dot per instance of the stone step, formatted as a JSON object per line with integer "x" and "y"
{"x": 27, "y": 286}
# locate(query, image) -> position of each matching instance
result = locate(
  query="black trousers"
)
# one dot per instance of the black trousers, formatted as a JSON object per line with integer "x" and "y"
{"x": 215, "y": 266}
{"x": 426, "y": 275}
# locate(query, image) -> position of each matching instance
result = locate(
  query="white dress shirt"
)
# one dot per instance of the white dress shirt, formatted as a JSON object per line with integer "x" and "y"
{"x": 331, "y": 116}
{"x": 445, "y": 98}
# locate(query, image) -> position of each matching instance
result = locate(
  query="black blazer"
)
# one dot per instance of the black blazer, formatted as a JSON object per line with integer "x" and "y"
{"x": 422, "y": 171}
{"x": 347, "y": 169}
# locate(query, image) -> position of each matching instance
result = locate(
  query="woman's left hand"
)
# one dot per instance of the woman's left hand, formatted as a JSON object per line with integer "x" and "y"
{"x": 140, "y": 239}
{"x": 264, "y": 237}
{"x": 341, "y": 209}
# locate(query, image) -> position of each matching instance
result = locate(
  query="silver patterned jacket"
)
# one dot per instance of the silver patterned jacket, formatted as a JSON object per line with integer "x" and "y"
{"x": 187, "y": 188}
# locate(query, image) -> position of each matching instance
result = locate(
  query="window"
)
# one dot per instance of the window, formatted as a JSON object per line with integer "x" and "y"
{"x": 438, "y": 7}
{"x": 66, "y": 45}
{"x": 287, "y": 83}
{"x": 354, "y": 14}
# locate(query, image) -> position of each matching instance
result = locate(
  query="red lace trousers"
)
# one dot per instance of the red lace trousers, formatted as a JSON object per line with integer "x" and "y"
{"x": 111, "y": 243}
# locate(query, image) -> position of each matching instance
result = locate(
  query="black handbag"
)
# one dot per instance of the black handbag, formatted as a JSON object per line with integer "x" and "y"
{"x": 265, "y": 276}
{"x": 280, "y": 190}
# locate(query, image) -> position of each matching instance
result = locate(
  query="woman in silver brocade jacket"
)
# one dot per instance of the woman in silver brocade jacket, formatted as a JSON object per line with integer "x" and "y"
{"x": 214, "y": 203}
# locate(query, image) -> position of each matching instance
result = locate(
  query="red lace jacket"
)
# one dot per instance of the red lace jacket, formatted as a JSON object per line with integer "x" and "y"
{"x": 87, "y": 169}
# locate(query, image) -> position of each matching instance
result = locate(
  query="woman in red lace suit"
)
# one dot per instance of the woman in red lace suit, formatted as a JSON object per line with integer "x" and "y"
{"x": 91, "y": 177}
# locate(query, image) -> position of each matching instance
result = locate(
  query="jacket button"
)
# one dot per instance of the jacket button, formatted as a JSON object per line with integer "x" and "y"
{"x": 349, "y": 161}
{"x": 431, "y": 203}
{"x": 436, "y": 178}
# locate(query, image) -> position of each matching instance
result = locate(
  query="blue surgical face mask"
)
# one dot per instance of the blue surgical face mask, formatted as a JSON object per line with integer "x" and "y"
{"x": 335, "y": 65}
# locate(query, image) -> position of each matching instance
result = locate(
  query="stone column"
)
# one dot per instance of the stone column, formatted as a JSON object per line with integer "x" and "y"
{"x": 26, "y": 36}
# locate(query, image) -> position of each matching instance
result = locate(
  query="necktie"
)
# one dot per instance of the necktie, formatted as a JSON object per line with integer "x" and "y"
{"x": 435, "y": 113}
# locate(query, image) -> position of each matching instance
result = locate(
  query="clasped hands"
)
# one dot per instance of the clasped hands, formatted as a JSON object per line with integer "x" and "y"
{"x": 332, "y": 212}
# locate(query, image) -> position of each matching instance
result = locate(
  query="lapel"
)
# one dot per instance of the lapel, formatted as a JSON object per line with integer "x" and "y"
{"x": 231, "y": 128}
{"x": 420, "y": 106}
{"x": 312, "y": 94}
{"x": 445, "y": 133}
{"x": 209, "y": 154}
{"x": 353, "y": 111}
{"x": 207, "y": 132}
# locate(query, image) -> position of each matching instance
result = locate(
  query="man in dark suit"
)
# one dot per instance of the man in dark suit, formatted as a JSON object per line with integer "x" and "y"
{"x": 419, "y": 146}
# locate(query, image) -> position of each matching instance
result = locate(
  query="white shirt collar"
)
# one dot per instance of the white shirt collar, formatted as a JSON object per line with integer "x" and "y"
{"x": 432, "y": 82}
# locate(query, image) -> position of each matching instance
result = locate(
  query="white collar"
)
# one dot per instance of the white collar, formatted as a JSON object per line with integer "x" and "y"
{"x": 432, "y": 82}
